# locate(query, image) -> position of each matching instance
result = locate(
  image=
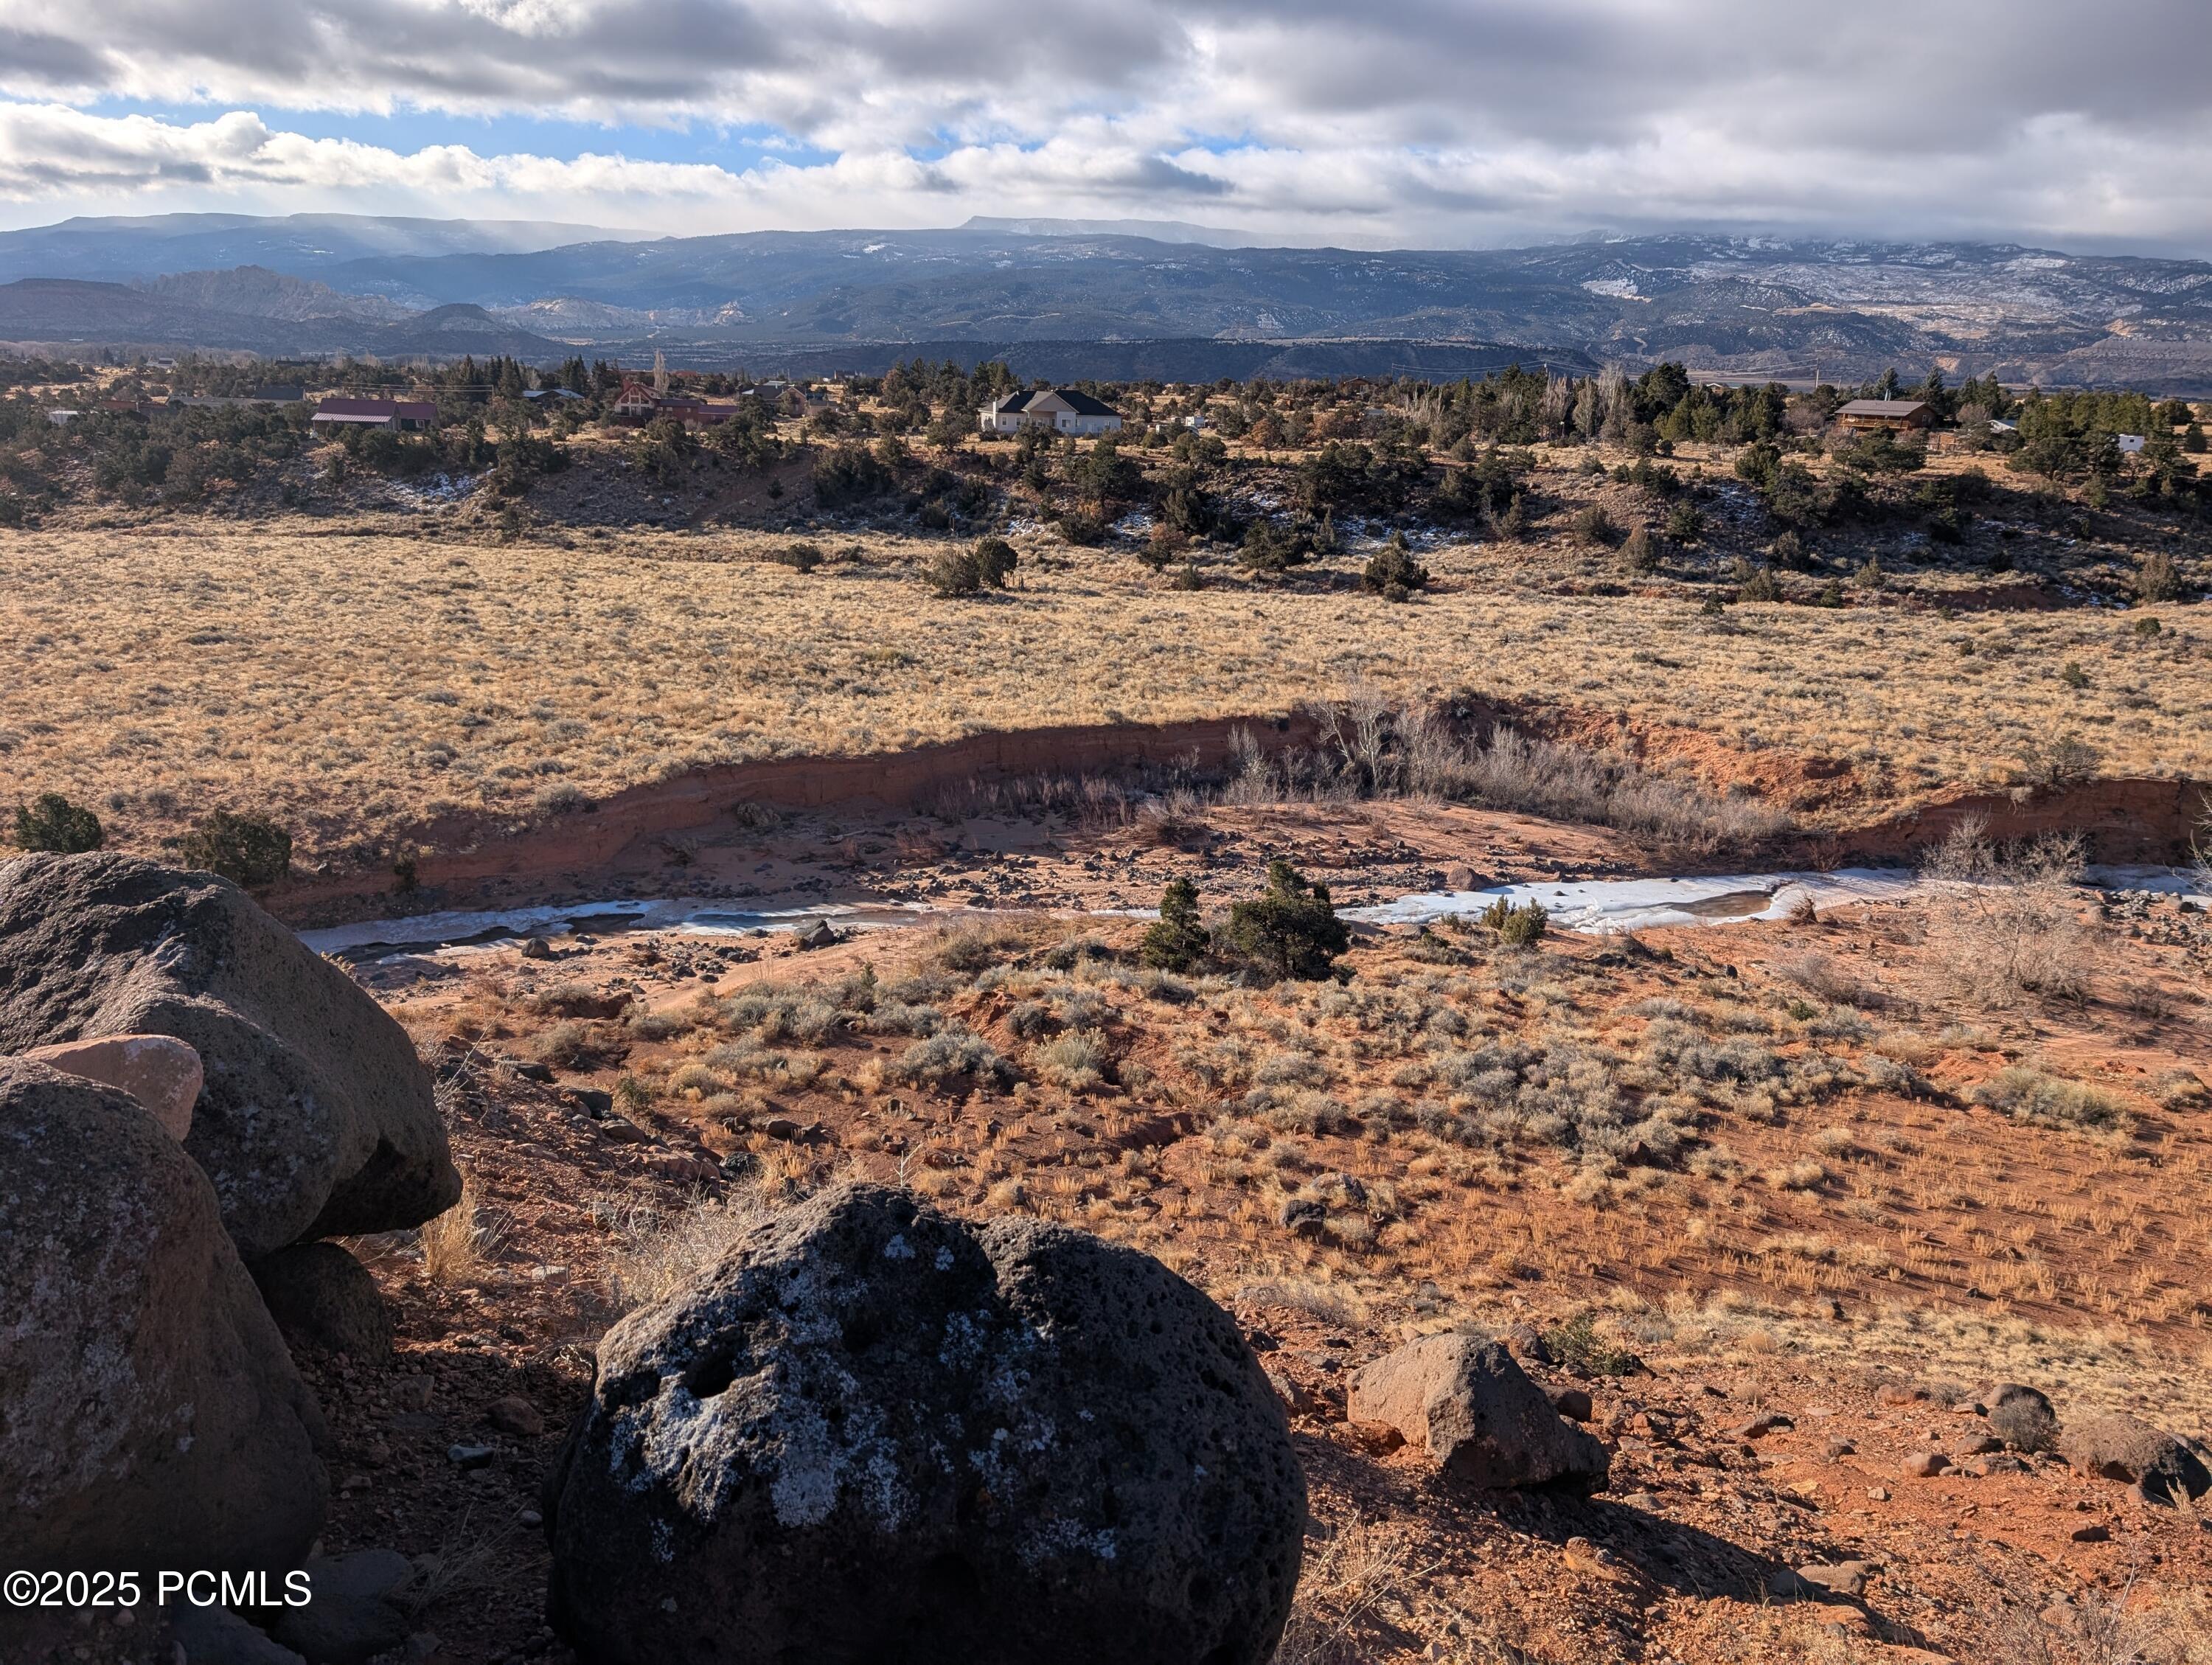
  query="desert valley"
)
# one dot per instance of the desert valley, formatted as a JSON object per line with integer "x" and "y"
{"x": 1091, "y": 940}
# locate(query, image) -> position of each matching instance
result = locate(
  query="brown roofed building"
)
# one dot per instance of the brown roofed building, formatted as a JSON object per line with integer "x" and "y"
{"x": 1895, "y": 414}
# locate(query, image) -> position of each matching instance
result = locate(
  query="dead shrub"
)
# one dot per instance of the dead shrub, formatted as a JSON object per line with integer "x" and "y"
{"x": 2003, "y": 923}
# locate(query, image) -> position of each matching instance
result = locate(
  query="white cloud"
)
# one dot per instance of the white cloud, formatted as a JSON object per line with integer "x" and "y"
{"x": 1437, "y": 121}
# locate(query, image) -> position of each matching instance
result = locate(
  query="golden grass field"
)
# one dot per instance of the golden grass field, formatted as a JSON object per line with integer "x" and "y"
{"x": 353, "y": 681}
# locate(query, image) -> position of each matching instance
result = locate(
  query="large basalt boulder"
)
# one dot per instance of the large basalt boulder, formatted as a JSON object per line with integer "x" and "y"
{"x": 150, "y": 1414}
{"x": 1472, "y": 1412}
{"x": 2121, "y": 1447}
{"x": 872, "y": 1433}
{"x": 315, "y": 1119}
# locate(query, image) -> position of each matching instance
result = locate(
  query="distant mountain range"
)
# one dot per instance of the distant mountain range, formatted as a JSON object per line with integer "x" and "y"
{"x": 1082, "y": 293}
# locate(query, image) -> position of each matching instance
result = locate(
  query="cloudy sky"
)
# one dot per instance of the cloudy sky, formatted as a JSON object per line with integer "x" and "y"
{"x": 1437, "y": 123}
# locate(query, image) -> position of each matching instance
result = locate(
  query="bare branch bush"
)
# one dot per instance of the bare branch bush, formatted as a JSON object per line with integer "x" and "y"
{"x": 2003, "y": 921}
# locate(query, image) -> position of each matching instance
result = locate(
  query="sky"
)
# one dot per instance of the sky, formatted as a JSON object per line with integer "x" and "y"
{"x": 1441, "y": 124}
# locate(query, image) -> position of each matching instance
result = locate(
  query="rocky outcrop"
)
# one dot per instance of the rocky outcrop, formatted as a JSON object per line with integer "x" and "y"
{"x": 152, "y": 1417}
{"x": 316, "y": 1118}
{"x": 873, "y": 1433}
{"x": 2120, "y": 1448}
{"x": 1469, "y": 1408}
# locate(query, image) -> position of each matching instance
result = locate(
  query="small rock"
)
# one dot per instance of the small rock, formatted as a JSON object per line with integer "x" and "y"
{"x": 1836, "y": 1450}
{"x": 2148, "y": 1494}
{"x": 1584, "y": 1556}
{"x": 1289, "y": 1390}
{"x": 1924, "y": 1465}
{"x": 1758, "y": 1427}
{"x": 1837, "y": 1578}
{"x": 1526, "y": 1343}
{"x": 820, "y": 934}
{"x": 1897, "y": 1393}
{"x": 1470, "y": 1408}
{"x": 217, "y": 1635}
{"x": 781, "y": 1127}
{"x": 1980, "y": 1445}
{"x": 1306, "y": 1216}
{"x": 339, "y": 1629}
{"x": 1877, "y": 1494}
{"x": 515, "y": 1415}
{"x": 536, "y": 948}
{"x": 2095, "y": 1533}
{"x": 1572, "y": 1403}
{"x": 531, "y": 1517}
{"x": 468, "y": 1456}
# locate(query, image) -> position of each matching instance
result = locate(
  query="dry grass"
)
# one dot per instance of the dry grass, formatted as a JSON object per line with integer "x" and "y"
{"x": 358, "y": 685}
{"x": 459, "y": 1244}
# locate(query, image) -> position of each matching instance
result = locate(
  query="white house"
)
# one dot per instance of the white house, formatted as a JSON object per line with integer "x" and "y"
{"x": 1062, "y": 411}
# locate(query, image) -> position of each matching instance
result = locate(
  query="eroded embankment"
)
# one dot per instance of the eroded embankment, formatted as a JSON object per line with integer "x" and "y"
{"x": 570, "y": 850}
{"x": 2123, "y": 820}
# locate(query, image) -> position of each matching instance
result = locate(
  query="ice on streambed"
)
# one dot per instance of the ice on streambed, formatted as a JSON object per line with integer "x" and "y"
{"x": 695, "y": 915}
{"x": 1600, "y": 905}
{"x": 1595, "y": 905}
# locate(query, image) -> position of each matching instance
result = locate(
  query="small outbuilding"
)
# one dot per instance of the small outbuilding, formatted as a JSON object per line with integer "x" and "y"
{"x": 1894, "y": 416}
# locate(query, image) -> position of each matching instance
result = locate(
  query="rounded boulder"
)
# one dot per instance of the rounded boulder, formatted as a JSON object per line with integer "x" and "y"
{"x": 152, "y": 1417}
{"x": 873, "y": 1432}
{"x": 315, "y": 1118}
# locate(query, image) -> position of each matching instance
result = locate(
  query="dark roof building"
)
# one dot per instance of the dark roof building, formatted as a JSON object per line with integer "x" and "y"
{"x": 1060, "y": 409}
{"x": 375, "y": 413}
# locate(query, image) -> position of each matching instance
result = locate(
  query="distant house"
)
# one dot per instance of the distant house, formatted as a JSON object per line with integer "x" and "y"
{"x": 1894, "y": 415}
{"x": 2130, "y": 444}
{"x": 641, "y": 402}
{"x": 1063, "y": 411}
{"x": 259, "y": 395}
{"x": 336, "y": 413}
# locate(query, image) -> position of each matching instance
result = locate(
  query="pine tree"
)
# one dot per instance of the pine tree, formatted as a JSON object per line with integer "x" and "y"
{"x": 1176, "y": 941}
{"x": 1292, "y": 930}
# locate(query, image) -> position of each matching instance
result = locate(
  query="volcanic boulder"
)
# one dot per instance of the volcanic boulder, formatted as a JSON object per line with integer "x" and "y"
{"x": 2120, "y": 1448}
{"x": 1470, "y": 1408}
{"x": 324, "y": 1300}
{"x": 152, "y": 1417}
{"x": 316, "y": 1118}
{"x": 873, "y": 1433}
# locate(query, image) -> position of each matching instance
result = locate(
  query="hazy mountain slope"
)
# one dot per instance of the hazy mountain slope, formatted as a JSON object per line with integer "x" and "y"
{"x": 66, "y": 311}
{"x": 1793, "y": 308}
{"x": 258, "y": 292}
{"x": 116, "y": 248}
